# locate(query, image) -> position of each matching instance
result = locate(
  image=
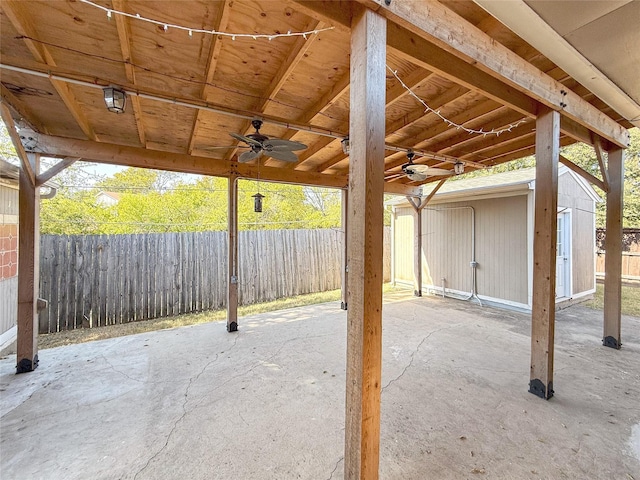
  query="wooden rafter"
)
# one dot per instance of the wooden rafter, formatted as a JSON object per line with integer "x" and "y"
{"x": 393, "y": 94}
{"x": 435, "y": 22}
{"x": 124, "y": 35}
{"x": 16, "y": 12}
{"x": 296, "y": 54}
{"x": 214, "y": 54}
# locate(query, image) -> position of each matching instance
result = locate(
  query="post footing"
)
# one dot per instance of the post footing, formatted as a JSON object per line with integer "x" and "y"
{"x": 25, "y": 365}
{"x": 611, "y": 342}
{"x": 539, "y": 389}
{"x": 232, "y": 327}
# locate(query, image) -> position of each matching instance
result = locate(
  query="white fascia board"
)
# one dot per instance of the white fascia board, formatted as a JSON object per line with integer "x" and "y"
{"x": 529, "y": 26}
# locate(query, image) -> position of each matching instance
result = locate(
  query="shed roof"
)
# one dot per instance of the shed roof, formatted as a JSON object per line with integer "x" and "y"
{"x": 499, "y": 184}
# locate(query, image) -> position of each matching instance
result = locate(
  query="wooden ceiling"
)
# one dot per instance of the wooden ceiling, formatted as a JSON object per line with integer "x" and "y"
{"x": 196, "y": 89}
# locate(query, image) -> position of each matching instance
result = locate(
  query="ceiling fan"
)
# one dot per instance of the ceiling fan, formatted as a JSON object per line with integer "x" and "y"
{"x": 418, "y": 173}
{"x": 259, "y": 144}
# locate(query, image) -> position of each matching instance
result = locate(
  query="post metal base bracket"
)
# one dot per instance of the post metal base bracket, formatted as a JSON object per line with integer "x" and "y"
{"x": 611, "y": 342}
{"x": 25, "y": 365}
{"x": 538, "y": 388}
{"x": 232, "y": 327}
{"x": 343, "y": 305}
{"x": 417, "y": 293}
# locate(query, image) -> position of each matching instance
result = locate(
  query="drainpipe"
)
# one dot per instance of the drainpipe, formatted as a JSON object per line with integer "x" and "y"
{"x": 473, "y": 264}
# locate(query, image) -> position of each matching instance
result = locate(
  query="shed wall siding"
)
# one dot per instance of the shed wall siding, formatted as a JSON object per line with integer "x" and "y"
{"x": 403, "y": 245}
{"x": 571, "y": 195}
{"x": 501, "y": 247}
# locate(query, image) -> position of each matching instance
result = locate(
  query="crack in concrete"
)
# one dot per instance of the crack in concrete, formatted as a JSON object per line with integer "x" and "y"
{"x": 393, "y": 380}
{"x": 336, "y": 467}
{"x": 184, "y": 414}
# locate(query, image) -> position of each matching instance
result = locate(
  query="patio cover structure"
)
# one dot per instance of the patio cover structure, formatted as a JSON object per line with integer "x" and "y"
{"x": 469, "y": 82}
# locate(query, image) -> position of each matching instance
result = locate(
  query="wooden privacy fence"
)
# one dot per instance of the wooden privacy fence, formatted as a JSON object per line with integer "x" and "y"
{"x": 98, "y": 280}
{"x": 630, "y": 265}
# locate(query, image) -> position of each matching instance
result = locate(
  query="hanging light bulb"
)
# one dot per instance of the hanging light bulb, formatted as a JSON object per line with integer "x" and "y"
{"x": 257, "y": 202}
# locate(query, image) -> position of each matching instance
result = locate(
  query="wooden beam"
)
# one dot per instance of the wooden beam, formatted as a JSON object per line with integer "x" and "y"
{"x": 432, "y": 194}
{"x": 597, "y": 146}
{"x": 543, "y": 310}
{"x": 176, "y": 162}
{"x": 366, "y": 186}
{"x": 17, "y": 144}
{"x": 18, "y": 15}
{"x": 124, "y": 35}
{"x": 44, "y": 177}
{"x": 344, "y": 274}
{"x": 28, "y": 271}
{"x": 584, "y": 174}
{"x": 440, "y": 25}
{"x": 232, "y": 258}
{"x": 613, "y": 252}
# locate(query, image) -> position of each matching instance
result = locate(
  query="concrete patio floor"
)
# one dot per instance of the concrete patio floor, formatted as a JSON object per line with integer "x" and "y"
{"x": 267, "y": 402}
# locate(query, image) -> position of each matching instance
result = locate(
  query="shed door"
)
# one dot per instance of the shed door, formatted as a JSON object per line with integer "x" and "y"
{"x": 563, "y": 253}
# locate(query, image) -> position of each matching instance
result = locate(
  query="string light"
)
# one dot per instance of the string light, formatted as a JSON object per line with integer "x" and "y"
{"x": 449, "y": 122}
{"x": 166, "y": 26}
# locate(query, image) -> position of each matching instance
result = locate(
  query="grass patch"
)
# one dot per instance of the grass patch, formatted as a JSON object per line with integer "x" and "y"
{"x": 630, "y": 300}
{"x": 51, "y": 340}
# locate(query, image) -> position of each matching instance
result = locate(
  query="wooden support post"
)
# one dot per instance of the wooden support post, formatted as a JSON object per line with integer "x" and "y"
{"x": 417, "y": 247}
{"x": 613, "y": 251}
{"x": 28, "y": 269}
{"x": 232, "y": 258}
{"x": 543, "y": 312}
{"x": 345, "y": 259}
{"x": 366, "y": 205}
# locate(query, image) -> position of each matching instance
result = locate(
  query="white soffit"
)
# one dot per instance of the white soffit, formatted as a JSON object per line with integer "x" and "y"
{"x": 596, "y": 42}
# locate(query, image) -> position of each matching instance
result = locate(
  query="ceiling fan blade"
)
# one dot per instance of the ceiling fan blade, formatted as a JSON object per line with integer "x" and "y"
{"x": 248, "y": 156}
{"x": 415, "y": 176}
{"x": 280, "y": 145}
{"x": 427, "y": 170}
{"x": 285, "y": 156}
{"x": 247, "y": 140}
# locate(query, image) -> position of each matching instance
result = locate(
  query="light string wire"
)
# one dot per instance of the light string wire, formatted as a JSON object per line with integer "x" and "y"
{"x": 471, "y": 131}
{"x": 166, "y": 26}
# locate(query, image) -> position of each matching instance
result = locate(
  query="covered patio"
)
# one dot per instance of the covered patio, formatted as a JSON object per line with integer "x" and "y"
{"x": 365, "y": 85}
{"x": 268, "y": 402}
